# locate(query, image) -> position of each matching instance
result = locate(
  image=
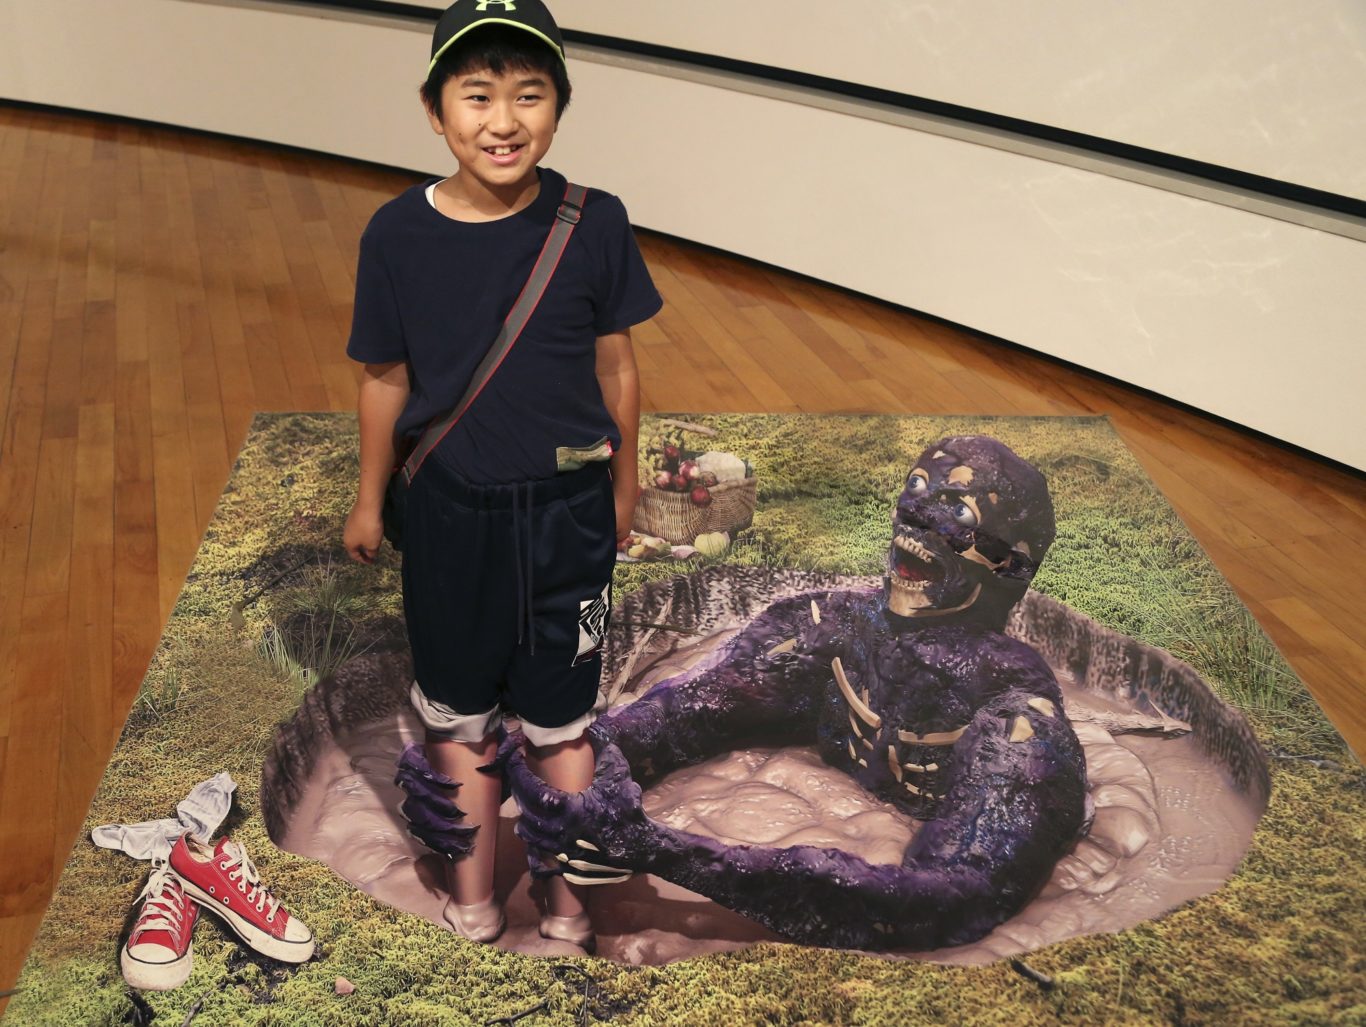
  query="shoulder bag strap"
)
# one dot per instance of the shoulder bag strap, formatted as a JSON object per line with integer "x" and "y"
{"x": 566, "y": 218}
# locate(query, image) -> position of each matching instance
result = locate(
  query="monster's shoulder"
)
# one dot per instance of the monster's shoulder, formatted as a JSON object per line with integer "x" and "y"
{"x": 996, "y": 660}
{"x": 1010, "y": 663}
{"x": 724, "y": 597}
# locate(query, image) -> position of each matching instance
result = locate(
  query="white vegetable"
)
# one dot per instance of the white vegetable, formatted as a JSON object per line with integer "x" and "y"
{"x": 726, "y": 466}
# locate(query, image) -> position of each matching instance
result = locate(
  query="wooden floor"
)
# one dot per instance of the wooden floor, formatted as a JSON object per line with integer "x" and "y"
{"x": 157, "y": 288}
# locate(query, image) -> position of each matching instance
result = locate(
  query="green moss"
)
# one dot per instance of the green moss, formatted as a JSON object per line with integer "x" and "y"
{"x": 1278, "y": 944}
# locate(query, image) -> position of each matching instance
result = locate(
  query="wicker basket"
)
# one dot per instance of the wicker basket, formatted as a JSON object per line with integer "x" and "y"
{"x": 674, "y": 517}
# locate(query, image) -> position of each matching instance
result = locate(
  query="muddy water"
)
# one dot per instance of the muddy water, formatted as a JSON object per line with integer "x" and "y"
{"x": 1169, "y": 826}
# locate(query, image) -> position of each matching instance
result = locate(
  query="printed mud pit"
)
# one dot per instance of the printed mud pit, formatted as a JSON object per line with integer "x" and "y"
{"x": 1176, "y": 778}
{"x": 1279, "y": 942}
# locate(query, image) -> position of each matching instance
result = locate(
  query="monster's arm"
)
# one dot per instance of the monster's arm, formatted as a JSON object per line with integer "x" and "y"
{"x": 763, "y": 689}
{"x": 1014, "y": 808}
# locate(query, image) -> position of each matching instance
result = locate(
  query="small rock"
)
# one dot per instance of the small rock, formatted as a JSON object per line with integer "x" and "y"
{"x": 344, "y": 987}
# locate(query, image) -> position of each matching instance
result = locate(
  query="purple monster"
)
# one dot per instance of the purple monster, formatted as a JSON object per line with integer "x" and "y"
{"x": 913, "y": 689}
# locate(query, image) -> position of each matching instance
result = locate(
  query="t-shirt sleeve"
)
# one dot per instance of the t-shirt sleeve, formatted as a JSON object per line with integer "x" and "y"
{"x": 376, "y": 329}
{"x": 625, "y": 294}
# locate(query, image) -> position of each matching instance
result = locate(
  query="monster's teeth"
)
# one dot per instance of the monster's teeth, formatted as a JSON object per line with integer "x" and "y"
{"x": 910, "y": 586}
{"x": 815, "y": 613}
{"x": 893, "y": 762}
{"x": 913, "y": 547}
{"x": 855, "y": 703}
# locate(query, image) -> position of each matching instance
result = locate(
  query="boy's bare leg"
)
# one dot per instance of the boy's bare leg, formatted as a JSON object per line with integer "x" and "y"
{"x": 480, "y": 796}
{"x": 567, "y": 766}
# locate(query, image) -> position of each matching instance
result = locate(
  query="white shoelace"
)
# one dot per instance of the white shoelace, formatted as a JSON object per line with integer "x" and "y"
{"x": 164, "y": 908}
{"x": 235, "y": 860}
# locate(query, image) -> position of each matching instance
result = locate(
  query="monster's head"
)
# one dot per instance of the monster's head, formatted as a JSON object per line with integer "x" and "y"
{"x": 969, "y": 531}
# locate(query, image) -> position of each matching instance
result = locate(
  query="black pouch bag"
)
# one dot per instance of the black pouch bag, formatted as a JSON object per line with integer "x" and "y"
{"x": 394, "y": 508}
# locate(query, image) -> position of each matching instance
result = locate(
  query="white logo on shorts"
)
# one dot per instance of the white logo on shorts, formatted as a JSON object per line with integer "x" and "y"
{"x": 593, "y": 614}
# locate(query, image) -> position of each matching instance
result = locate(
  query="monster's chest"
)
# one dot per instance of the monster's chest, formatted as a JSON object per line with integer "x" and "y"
{"x": 893, "y": 711}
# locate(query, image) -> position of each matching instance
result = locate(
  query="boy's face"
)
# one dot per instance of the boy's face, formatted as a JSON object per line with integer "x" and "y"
{"x": 497, "y": 126}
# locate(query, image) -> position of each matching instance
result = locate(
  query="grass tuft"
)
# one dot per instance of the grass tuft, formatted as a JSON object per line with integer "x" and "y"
{"x": 312, "y": 628}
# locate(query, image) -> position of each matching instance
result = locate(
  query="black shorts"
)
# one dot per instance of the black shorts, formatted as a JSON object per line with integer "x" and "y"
{"x": 507, "y": 593}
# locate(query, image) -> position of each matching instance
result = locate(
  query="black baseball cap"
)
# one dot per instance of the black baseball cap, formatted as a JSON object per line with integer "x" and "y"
{"x": 463, "y": 15}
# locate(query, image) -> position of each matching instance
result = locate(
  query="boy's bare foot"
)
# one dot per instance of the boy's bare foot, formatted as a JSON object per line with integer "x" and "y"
{"x": 481, "y": 921}
{"x": 577, "y": 930}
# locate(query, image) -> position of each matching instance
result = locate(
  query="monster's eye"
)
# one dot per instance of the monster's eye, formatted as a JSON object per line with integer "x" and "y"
{"x": 917, "y": 485}
{"x": 963, "y": 514}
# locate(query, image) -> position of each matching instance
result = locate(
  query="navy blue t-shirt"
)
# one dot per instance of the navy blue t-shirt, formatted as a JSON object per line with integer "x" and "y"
{"x": 434, "y": 292}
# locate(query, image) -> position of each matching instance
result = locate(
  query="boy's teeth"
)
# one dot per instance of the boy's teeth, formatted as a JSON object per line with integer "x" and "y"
{"x": 501, "y": 151}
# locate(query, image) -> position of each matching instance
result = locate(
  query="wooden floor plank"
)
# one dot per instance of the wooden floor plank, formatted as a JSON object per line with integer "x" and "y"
{"x": 91, "y": 608}
{"x": 49, "y": 553}
{"x": 801, "y": 373}
{"x": 28, "y": 873}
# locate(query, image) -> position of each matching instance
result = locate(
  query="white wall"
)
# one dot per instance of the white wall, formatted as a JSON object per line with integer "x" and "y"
{"x": 1253, "y": 319}
{"x": 1263, "y": 86}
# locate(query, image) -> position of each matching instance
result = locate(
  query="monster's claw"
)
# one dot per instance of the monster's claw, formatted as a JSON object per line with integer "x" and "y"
{"x": 432, "y": 815}
{"x": 591, "y": 873}
{"x": 415, "y": 773}
{"x": 609, "y": 876}
{"x": 555, "y": 824}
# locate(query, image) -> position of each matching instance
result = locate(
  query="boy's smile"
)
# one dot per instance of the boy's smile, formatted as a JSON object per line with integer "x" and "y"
{"x": 498, "y": 127}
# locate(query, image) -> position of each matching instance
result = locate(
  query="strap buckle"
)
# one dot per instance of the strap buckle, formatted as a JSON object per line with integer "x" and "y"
{"x": 570, "y": 212}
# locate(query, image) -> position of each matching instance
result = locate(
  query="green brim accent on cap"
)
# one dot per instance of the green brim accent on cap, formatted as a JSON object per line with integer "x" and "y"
{"x": 497, "y": 21}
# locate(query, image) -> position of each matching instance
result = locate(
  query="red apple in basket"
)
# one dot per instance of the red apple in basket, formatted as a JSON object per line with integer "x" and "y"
{"x": 689, "y": 469}
{"x": 701, "y": 495}
{"x": 679, "y": 483}
{"x": 663, "y": 479}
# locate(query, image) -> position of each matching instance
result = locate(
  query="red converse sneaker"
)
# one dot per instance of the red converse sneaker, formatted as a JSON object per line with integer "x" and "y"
{"x": 158, "y": 955}
{"x": 224, "y": 881}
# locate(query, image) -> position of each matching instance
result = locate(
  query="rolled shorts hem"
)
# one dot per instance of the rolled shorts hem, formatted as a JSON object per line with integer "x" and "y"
{"x": 543, "y": 736}
{"x": 440, "y": 719}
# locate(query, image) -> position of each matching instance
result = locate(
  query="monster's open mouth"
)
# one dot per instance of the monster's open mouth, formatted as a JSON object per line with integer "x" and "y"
{"x": 914, "y": 566}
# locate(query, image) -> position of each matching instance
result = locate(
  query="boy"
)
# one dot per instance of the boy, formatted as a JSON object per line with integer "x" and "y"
{"x": 512, "y": 522}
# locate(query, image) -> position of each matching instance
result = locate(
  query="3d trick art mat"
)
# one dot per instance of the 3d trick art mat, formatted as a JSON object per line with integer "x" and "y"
{"x": 903, "y": 719}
